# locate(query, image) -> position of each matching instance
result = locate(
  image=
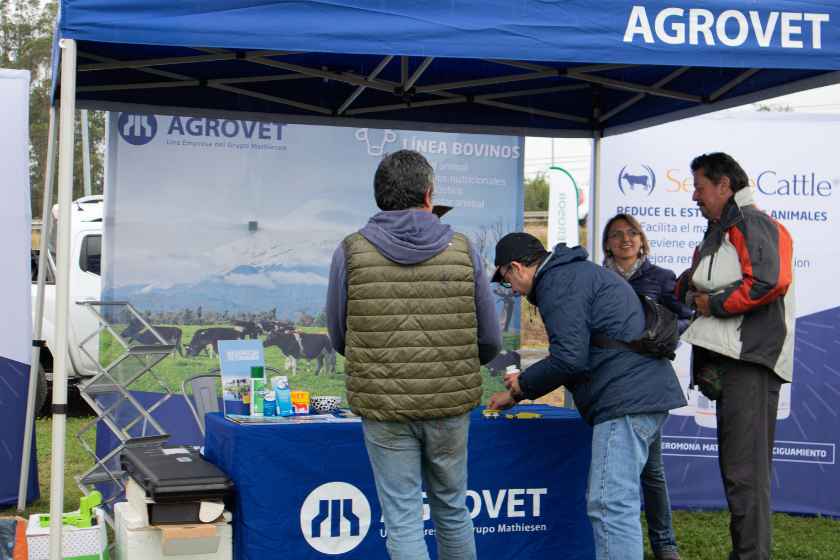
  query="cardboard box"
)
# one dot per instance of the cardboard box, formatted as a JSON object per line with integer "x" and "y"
{"x": 138, "y": 541}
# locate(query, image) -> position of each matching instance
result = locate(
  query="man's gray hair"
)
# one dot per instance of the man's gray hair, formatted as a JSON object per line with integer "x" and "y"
{"x": 402, "y": 180}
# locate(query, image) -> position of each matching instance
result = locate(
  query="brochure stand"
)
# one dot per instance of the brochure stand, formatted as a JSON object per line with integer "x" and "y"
{"x": 108, "y": 394}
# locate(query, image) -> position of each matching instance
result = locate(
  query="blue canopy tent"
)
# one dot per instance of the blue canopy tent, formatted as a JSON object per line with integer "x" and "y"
{"x": 563, "y": 68}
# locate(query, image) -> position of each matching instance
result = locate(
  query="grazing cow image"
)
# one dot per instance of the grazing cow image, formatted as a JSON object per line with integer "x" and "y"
{"x": 297, "y": 345}
{"x": 498, "y": 364}
{"x": 633, "y": 180}
{"x": 250, "y": 329}
{"x": 207, "y": 340}
{"x": 270, "y": 325}
{"x": 137, "y": 332}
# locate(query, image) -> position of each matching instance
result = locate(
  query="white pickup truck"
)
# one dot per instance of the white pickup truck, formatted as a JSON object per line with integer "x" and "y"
{"x": 85, "y": 284}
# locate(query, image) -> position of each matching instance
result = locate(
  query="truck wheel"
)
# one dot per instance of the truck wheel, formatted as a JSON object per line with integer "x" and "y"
{"x": 41, "y": 392}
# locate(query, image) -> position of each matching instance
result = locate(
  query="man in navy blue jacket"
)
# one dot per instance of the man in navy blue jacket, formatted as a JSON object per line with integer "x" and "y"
{"x": 624, "y": 395}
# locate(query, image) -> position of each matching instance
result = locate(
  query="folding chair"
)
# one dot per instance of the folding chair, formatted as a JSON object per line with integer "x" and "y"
{"x": 205, "y": 394}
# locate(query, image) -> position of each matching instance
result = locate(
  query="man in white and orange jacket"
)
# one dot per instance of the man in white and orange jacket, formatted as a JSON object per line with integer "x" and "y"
{"x": 740, "y": 284}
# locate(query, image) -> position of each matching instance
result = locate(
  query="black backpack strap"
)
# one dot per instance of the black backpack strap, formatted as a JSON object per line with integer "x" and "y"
{"x": 603, "y": 341}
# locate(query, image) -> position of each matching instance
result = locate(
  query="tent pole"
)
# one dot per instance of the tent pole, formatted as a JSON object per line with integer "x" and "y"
{"x": 594, "y": 237}
{"x": 66, "y": 134}
{"x": 37, "y": 327}
{"x": 86, "y": 152}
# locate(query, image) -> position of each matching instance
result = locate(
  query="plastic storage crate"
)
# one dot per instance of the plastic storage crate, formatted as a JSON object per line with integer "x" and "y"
{"x": 89, "y": 543}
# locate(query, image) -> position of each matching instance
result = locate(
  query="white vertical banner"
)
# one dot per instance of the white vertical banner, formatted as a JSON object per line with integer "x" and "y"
{"x": 16, "y": 326}
{"x": 562, "y": 208}
{"x": 15, "y": 217}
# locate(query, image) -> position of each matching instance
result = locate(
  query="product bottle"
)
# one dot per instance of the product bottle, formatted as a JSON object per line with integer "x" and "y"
{"x": 258, "y": 390}
{"x": 282, "y": 395}
{"x": 269, "y": 403}
{"x": 258, "y": 386}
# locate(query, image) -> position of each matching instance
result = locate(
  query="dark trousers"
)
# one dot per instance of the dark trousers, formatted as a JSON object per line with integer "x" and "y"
{"x": 746, "y": 420}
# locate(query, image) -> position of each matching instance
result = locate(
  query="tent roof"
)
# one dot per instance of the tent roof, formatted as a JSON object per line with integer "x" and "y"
{"x": 561, "y": 68}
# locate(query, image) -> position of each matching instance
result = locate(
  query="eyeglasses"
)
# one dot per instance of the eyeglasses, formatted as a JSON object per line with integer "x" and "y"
{"x": 504, "y": 283}
{"x": 621, "y": 234}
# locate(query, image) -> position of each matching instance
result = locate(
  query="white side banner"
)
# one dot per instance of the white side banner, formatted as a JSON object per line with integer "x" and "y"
{"x": 15, "y": 217}
{"x": 562, "y": 208}
{"x": 794, "y": 170}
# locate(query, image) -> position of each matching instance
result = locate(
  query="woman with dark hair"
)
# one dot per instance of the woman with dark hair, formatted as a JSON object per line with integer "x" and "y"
{"x": 625, "y": 252}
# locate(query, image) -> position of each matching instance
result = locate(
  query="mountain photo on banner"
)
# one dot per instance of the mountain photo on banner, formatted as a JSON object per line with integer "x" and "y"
{"x": 221, "y": 229}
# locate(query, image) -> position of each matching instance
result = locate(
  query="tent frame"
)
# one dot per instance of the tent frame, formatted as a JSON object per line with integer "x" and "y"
{"x": 407, "y": 88}
{"x": 66, "y": 133}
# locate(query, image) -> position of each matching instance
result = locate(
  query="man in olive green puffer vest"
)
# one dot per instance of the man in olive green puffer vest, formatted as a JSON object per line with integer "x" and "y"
{"x": 410, "y": 308}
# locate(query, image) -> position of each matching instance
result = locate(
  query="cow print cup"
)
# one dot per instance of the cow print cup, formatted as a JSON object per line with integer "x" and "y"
{"x": 324, "y": 405}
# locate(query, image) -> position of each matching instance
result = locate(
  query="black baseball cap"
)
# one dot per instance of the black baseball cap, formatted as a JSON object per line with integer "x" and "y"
{"x": 515, "y": 247}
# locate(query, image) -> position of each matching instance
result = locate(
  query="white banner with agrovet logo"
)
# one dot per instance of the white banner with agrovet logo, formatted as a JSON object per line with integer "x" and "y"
{"x": 794, "y": 171}
{"x": 224, "y": 229}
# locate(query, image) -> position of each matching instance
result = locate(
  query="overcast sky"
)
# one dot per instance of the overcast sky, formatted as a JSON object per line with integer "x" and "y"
{"x": 575, "y": 154}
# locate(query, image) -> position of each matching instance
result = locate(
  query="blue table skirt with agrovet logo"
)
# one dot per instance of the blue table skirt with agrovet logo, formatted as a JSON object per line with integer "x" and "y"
{"x": 306, "y": 490}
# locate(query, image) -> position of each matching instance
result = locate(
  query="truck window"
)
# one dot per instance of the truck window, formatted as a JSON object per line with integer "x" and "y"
{"x": 33, "y": 260}
{"x": 91, "y": 254}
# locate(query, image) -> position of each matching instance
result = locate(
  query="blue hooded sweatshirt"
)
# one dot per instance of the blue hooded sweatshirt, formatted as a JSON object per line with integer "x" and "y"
{"x": 575, "y": 298}
{"x": 410, "y": 237}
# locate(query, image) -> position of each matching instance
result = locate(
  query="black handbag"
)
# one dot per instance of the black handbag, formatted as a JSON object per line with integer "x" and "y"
{"x": 659, "y": 339}
{"x": 707, "y": 371}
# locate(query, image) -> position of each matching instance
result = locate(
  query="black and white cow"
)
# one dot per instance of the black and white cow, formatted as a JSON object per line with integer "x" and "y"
{"x": 498, "y": 364}
{"x": 208, "y": 339}
{"x": 297, "y": 345}
{"x": 137, "y": 332}
{"x": 270, "y": 325}
{"x": 250, "y": 329}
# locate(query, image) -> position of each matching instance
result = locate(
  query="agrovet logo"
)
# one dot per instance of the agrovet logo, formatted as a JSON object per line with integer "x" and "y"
{"x": 642, "y": 178}
{"x": 137, "y": 129}
{"x": 335, "y": 518}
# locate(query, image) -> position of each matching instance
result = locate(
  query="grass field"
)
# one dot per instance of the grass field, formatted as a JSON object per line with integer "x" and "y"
{"x": 701, "y": 535}
{"x": 76, "y": 462}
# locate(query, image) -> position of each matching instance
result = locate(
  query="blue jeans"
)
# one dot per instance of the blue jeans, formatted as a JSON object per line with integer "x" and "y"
{"x": 407, "y": 456}
{"x": 657, "y": 502}
{"x": 619, "y": 453}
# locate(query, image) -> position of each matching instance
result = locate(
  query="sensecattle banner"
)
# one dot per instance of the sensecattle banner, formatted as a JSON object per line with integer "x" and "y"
{"x": 797, "y": 181}
{"x": 224, "y": 229}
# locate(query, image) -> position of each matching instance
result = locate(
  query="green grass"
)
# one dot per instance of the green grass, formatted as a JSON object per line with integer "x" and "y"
{"x": 701, "y": 535}
{"x": 76, "y": 461}
{"x": 705, "y": 536}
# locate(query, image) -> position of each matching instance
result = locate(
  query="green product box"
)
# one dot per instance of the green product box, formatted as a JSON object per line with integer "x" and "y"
{"x": 258, "y": 387}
